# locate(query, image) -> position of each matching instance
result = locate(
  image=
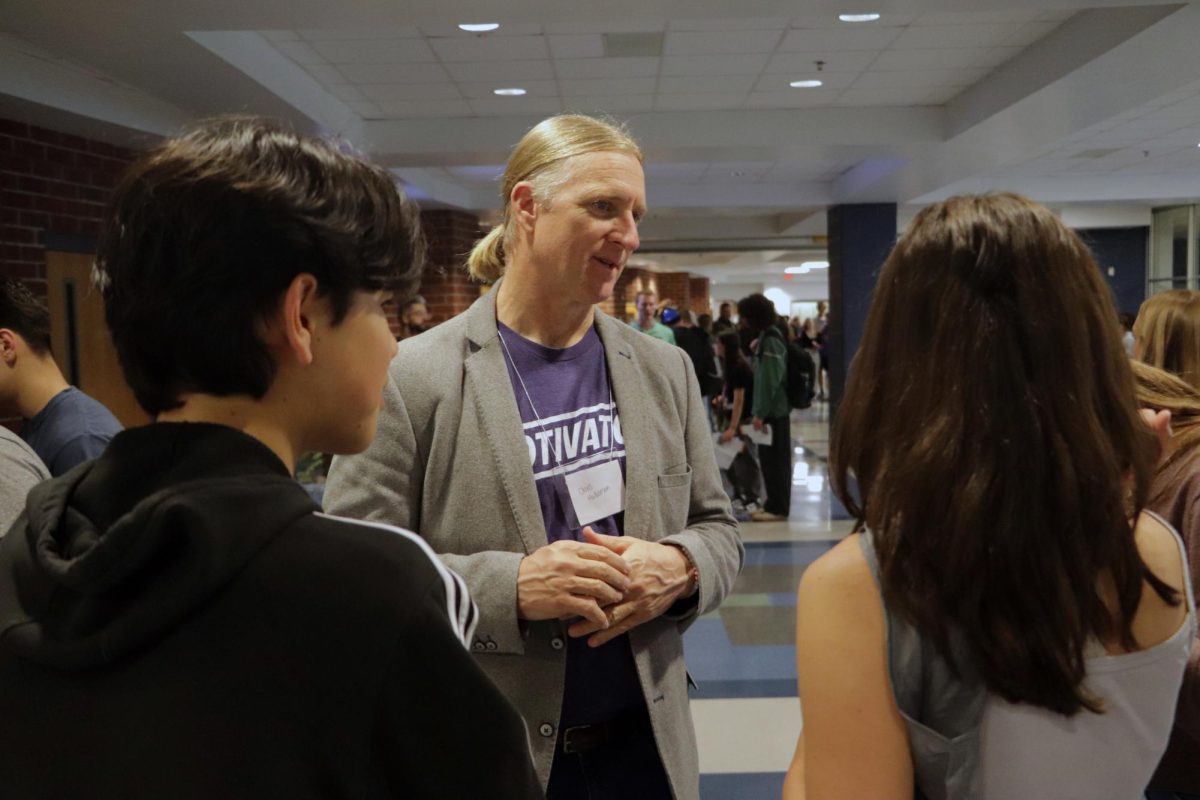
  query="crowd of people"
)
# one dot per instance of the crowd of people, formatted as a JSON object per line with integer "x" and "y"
{"x": 525, "y": 512}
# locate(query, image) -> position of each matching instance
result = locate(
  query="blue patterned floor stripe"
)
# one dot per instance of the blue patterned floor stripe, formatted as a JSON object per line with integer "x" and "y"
{"x": 741, "y": 786}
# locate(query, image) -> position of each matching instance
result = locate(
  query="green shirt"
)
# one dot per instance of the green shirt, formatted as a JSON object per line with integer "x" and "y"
{"x": 657, "y": 330}
{"x": 770, "y": 377}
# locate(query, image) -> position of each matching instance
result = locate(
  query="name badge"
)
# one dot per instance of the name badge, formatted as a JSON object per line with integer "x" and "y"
{"x": 597, "y": 492}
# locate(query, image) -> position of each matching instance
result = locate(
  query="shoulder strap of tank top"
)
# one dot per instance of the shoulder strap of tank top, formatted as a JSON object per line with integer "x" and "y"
{"x": 1189, "y": 590}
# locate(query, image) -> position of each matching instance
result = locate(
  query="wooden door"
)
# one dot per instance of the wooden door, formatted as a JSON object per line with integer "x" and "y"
{"x": 80, "y": 341}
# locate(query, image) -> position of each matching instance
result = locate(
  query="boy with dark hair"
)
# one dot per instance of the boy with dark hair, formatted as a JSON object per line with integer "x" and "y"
{"x": 64, "y": 426}
{"x": 178, "y": 618}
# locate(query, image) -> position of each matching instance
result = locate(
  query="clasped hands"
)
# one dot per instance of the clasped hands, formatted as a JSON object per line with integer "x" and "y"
{"x": 615, "y": 583}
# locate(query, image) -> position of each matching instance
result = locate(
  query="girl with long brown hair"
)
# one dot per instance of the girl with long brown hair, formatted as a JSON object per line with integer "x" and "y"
{"x": 1175, "y": 494}
{"x": 1005, "y": 624}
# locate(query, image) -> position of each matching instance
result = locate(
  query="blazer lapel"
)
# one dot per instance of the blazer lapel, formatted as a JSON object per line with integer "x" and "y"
{"x": 489, "y": 386}
{"x": 635, "y": 410}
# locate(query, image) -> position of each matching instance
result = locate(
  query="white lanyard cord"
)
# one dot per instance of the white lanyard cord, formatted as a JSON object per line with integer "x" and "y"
{"x": 612, "y": 416}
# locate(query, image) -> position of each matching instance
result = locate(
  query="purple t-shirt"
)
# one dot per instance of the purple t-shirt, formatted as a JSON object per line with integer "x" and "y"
{"x": 571, "y": 425}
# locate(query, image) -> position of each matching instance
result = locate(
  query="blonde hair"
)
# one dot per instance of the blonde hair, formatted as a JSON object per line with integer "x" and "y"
{"x": 542, "y": 158}
{"x": 1161, "y": 391}
{"x": 1168, "y": 330}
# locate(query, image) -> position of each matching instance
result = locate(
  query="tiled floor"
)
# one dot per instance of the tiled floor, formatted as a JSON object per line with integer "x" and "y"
{"x": 743, "y": 656}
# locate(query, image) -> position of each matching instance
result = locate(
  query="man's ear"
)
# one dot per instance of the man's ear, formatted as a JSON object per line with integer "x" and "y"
{"x": 8, "y": 346}
{"x": 522, "y": 205}
{"x": 293, "y": 330}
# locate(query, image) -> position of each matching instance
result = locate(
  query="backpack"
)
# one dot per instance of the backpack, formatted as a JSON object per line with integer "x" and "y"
{"x": 801, "y": 374}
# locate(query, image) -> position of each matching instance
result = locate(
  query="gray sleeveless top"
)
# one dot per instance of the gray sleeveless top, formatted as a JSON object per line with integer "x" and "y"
{"x": 969, "y": 745}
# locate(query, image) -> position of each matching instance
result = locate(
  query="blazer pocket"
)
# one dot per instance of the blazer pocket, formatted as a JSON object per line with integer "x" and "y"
{"x": 676, "y": 478}
{"x": 674, "y": 499}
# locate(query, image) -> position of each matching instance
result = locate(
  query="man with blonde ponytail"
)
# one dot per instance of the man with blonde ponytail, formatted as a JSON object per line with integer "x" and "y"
{"x": 560, "y": 461}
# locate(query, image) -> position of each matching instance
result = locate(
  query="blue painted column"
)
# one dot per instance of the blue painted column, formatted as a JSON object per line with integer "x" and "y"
{"x": 860, "y": 238}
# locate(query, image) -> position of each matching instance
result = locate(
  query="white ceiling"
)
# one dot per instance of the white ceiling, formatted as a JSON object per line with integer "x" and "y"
{"x": 1092, "y": 106}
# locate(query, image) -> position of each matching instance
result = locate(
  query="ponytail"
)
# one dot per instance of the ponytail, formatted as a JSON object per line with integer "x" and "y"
{"x": 486, "y": 261}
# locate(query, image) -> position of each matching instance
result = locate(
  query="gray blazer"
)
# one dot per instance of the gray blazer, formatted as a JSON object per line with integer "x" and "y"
{"x": 449, "y": 461}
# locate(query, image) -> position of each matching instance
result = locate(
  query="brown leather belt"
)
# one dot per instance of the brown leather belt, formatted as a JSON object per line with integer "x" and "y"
{"x": 582, "y": 738}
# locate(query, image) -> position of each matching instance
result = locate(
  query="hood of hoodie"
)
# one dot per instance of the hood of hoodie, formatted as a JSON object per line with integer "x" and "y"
{"x": 111, "y": 555}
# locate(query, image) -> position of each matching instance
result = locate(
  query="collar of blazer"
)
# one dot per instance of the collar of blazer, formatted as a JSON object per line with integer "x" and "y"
{"x": 496, "y": 405}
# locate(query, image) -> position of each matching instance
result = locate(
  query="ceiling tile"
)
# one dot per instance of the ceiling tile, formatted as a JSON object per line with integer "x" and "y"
{"x": 605, "y": 86}
{"x": 1061, "y": 15}
{"x": 611, "y": 26}
{"x": 507, "y": 71}
{"x": 739, "y": 64}
{"x": 366, "y": 110}
{"x": 374, "y": 51}
{"x": 500, "y": 48}
{"x": 577, "y": 45}
{"x": 967, "y": 58}
{"x": 616, "y": 103}
{"x": 927, "y": 78}
{"x": 300, "y": 52}
{"x": 384, "y": 92}
{"x": 698, "y": 102}
{"x": 325, "y": 74}
{"x": 449, "y": 30}
{"x": 426, "y": 108}
{"x": 975, "y": 17}
{"x": 793, "y": 98}
{"x": 631, "y": 67}
{"x": 510, "y": 106}
{"x": 883, "y": 97}
{"x": 280, "y": 36}
{"x": 838, "y": 39}
{"x": 999, "y": 55}
{"x": 681, "y": 171}
{"x": 779, "y": 83}
{"x": 690, "y": 44}
{"x": 1029, "y": 33}
{"x": 802, "y": 63}
{"x": 937, "y": 37}
{"x": 729, "y": 24}
{"x": 729, "y": 84}
{"x": 486, "y": 89}
{"x": 346, "y": 93}
{"x": 394, "y": 73}
{"x": 940, "y": 95}
{"x": 359, "y": 34}
{"x": 746, "y": 169}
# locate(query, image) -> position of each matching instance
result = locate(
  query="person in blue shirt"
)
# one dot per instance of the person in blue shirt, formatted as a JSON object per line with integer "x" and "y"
{"x": 64, "y": 426}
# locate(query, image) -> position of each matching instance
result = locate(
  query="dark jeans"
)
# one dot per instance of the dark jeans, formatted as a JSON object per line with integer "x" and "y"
{"x": 627, "y": 768}
{"x": 776, "y": 462}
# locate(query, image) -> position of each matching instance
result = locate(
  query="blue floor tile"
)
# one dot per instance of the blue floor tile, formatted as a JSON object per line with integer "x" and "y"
{"x": 741, "y": 786}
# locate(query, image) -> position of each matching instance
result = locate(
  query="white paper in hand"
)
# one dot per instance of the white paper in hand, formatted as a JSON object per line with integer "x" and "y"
{"x": 760, "y": 437}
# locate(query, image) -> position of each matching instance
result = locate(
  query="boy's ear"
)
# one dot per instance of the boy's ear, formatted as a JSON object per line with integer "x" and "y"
{"x": 524, "y": 205}
{"x": 294, "y": 331}
{"x": 8, "y": 346}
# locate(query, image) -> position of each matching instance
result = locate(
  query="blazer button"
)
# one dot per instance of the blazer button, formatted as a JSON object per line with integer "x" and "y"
{"x": 491, "y": 645}
{"x": 557, "y": 643}
{"x": 478, "y": 646}
{"x": 546, "y": 729}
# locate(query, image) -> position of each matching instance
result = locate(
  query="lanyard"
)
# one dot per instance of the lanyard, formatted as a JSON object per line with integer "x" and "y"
{"x": 560, "y": 469}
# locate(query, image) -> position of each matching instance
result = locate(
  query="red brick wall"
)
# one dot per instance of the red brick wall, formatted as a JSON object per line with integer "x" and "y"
{"x": 447, "y": 288}
{"x": 675, "y": 286}
{"x": 50, "y": 182}
{"x": 701, "y": 300}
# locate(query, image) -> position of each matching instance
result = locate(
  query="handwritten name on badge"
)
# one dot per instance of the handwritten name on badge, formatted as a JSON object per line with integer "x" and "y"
{"x": 597, "y": 492}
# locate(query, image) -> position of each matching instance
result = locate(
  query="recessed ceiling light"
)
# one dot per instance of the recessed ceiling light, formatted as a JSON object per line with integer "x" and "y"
{"x": 816, "y": 264}
{"x": 479, "y": 27}
{"x": 796, "y": 271}
{"x": 858, "y": 17}
{"x": 513, "y": 92}
{"x": 811, "y": 84}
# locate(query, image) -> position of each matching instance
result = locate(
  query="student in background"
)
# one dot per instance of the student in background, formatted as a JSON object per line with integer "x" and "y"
{"x": 20, "y": 471}
{"x": 64, "y": 426}
{"x": 770, "y": 405}
{"x": 1167, "y": 333}
{"x": 1005, "y": 623}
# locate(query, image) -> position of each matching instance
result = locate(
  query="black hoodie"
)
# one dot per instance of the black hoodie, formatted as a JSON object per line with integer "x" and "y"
{"x": 179, "y": 620}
